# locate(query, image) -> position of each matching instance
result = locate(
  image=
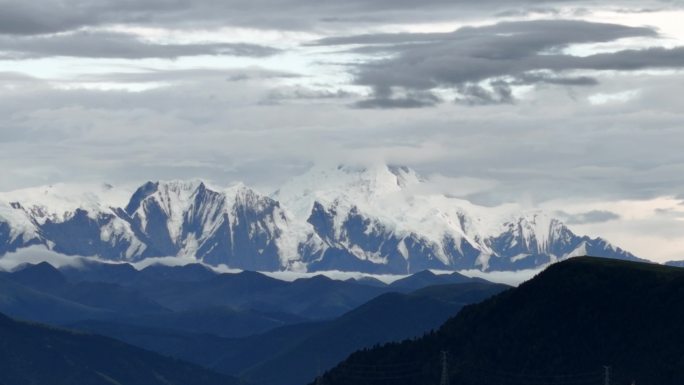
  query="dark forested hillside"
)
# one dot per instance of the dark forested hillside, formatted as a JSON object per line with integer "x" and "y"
{"x": 562, "y": 327}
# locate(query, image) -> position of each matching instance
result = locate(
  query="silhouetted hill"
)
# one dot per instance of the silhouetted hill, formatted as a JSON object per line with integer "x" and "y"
{"x": 560, "y": 327}
{"x": 318, "y": 297}
{"x": 427, "y": 278}
{"x": 370, "y": 281}
{"x": 42, "y": 293}
{"x": 193, "y": 272}
{"x": 35, "y": 354}
{"x": 675, "y": 263}
{"x": 39, "y": 276}
{"x": 121, "y": 273}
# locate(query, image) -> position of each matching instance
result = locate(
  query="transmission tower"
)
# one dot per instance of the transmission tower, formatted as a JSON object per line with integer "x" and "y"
{"x": 319, "y": 377}
{"x": 606, "y": 375}
{"x": 445, "y": 369}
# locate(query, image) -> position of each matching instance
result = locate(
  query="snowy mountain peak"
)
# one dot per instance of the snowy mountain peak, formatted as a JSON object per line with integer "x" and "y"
{"x": 380, "y": 219}
{"x": 59, "y": 202}
{"x": 139, "y": 195}
{"x": 406, "y": 176}
{"x": 357, "y": 180}
{"x": 173, "y": 195}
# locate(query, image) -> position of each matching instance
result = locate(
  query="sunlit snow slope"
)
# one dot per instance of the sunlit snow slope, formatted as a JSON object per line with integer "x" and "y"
{"x": 375, "y": 220}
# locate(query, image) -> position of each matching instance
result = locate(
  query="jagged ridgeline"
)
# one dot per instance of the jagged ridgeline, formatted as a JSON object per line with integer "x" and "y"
{"x": 562, "y": 327}
{"x": 374, "y": 220}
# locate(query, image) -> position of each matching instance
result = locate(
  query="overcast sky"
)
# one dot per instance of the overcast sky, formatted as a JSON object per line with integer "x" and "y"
{"x": 571, "y": 106}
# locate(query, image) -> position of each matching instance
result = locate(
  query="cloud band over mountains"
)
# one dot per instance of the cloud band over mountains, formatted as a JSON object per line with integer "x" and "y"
{"x": 506, "y": 54}
{"x": 99, "y": 44}
{"x": 537, "y": 102}
{"x": 51, "y": 16}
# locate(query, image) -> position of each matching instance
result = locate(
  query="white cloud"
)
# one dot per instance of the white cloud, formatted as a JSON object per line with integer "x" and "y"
{"x": 37, "y": 254}
{"x": 511, "y": 278}
{"x": 649, "y": 228}
{"x": 619, "y": 97}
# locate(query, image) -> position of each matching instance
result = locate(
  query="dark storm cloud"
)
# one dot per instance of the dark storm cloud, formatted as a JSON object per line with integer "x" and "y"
{"x": 91, "y": 44}
{"x": 629, "y": 60}
{"x": 48, "y": 16}
{"x": 558, "y": 80}
{"x": 526, "y": 36}
{"x": 410, "y": 101}
{"x": 383, "y": 99}
{"x": 299, "y": 92}
{"x": 594, "y": 216}
{"x": 504, "y": 54}
{"x": 476, "y": 95}
{"x": 28, "y": 18}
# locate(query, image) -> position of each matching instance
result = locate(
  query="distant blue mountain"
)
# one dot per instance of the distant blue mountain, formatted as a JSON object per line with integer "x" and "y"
{"x": 36, "y": 354}
{"x": 294, "y": 354}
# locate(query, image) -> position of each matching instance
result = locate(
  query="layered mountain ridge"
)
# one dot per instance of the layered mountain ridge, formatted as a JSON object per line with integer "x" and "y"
{"x": 374, "y": 220}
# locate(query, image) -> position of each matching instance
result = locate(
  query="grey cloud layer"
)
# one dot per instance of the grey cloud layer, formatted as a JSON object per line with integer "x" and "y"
{"x": 187, "y": 75}
{"x": 48, "y": 16}
{"x": 507, "y": 54}
{"x": 98, "y": 44}
{"x": 205, "y": 126}
{"x": 527, "y": 37}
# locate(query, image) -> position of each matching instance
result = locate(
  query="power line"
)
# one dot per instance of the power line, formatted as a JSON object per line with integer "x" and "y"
{"x": 497, "y": 377}
{"x": 391, "y": 364}
{"x": 543, "y": 376}
{"x": 491, "y": 378}
{"x": 393, "y": 372}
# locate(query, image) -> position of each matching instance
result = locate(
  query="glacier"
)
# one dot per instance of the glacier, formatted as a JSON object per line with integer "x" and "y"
{"x": 378, "y": 220}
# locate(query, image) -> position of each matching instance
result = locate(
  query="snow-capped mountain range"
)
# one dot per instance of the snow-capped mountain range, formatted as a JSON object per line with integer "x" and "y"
{"x": 373, "y": 220}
